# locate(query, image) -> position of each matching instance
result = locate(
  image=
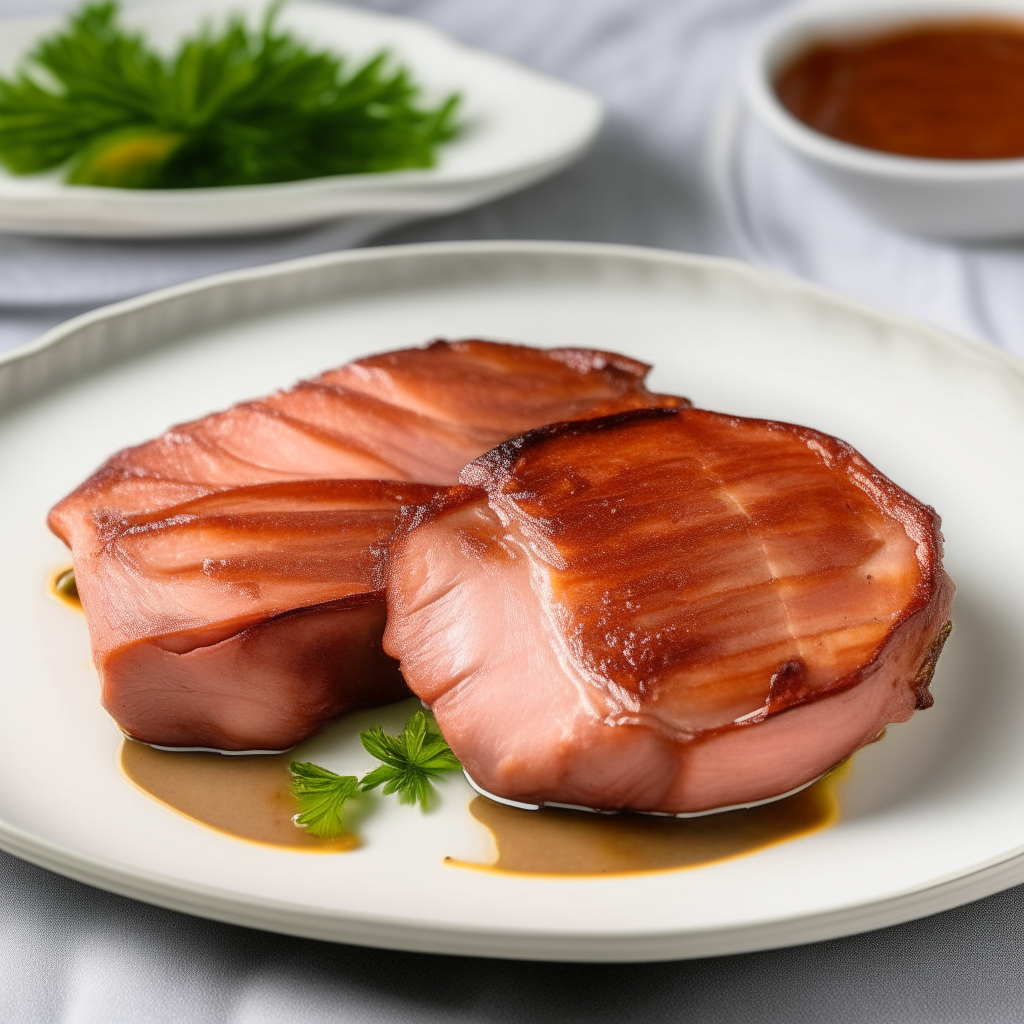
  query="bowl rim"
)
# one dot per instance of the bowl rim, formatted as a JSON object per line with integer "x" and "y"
{"x": 785, "y": 32}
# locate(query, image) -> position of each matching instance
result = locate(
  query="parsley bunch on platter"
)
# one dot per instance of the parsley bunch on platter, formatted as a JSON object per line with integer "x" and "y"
{"x": 410, "y": 762}
{"x": 239, "y": 107}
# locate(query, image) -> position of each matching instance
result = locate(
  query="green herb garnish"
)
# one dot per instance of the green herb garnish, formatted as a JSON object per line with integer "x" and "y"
{"x": 236, "y": 108}
{"x": 410, "y": 760}
{"x": 321, "y": 795}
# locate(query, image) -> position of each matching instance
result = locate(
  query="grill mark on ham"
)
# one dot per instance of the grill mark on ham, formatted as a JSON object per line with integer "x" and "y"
{"x": 792, "y": 670}
{"x": 230, "y": 569}
{"x": 666, "y": 610}
{"x": 415, "y": 414}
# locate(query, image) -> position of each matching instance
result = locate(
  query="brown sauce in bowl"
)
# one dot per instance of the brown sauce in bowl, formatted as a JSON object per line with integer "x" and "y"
{"x": 950, "y": 90}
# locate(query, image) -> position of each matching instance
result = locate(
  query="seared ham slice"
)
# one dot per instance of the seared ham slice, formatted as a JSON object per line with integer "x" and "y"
{"x": 666, "y": 610}
{"x": 247, "y": 618}
{"x": 228, "y": 615}
{"x": 416, "y": 414}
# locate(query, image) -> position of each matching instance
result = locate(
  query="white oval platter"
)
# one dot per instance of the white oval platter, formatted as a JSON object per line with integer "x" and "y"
{"x": 930, "y": 816}
{"x": 520, "y": 126}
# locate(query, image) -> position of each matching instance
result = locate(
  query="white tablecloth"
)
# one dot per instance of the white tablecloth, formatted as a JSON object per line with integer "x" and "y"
{"x": 665, "y": 67}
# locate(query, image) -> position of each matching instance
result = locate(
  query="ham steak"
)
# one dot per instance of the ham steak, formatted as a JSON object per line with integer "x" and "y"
{"x": 415, "y": 414}
{"x": 230, "y": 569}
{"x": 666, "y": 610}
{"x": 246, "y": 618}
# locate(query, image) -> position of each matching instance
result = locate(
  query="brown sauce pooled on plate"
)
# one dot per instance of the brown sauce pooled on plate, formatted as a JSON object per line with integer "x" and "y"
{"x": 246, "y": 796}
{"x": 951, "y": 90}
{"x": 62, "y": 587}
{"x": 558, "y": 842}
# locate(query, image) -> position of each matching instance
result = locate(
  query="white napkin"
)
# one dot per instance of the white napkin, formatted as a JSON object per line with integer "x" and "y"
{"x": 781, "y": 214}
{"x": 89, "y": 272}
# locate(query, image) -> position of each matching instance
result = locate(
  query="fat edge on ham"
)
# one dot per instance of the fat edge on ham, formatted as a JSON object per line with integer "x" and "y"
{"x": 666, "y": 610}
{"x": 230, "y": 569}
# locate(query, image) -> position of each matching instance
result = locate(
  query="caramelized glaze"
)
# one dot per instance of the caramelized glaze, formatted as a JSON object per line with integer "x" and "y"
{"x": 666, "y": 610}
{"x": 948, "y": 90}
{"x": 248, "y": 617}
{"x": 231, "y": 580}
{"x": 743, "y": 582}
{"x": 245, "y": 797}
{"x": 414, "y": 414}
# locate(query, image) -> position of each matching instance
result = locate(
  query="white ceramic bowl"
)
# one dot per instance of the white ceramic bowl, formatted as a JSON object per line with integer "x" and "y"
{"x": 955, "y": 199}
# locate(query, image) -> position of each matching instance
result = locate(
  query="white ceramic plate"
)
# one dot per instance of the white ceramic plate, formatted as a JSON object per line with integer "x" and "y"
{"x": 520, "y": 126}
{"x": 931, "y": 816}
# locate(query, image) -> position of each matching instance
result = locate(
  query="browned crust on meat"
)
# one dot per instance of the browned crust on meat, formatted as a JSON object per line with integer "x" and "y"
{"x": 396, "y": 493}
{"x": 122, "y": 466}
{"x": 583, "y": 360}
{"x": 917, "y": 635}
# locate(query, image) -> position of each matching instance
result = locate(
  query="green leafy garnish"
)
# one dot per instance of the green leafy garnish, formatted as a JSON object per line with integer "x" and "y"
{"x": 410, "y": 760}
{"x": 236, "y": 108}
{"x": 321, "y": 795}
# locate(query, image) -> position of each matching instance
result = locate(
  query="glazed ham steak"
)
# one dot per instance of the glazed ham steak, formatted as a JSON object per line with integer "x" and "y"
{"x": 416, "y": 414}
{"x": 666, "y": 610}
{"x": 247, "y": 618}
{"x": 230, "y": 569}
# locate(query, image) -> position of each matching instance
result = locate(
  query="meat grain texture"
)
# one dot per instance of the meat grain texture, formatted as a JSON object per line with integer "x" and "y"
{"x": 231, "y": 569}
{"x": 666, "y": 610}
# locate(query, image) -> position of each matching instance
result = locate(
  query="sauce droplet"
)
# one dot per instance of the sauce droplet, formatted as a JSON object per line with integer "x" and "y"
{"x": 63, "y": 588}
{"x": 560, "y": 842}
{"x": 245, "y": 796}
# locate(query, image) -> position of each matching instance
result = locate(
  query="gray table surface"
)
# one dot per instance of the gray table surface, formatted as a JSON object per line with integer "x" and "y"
{"x": 78, "y": 955}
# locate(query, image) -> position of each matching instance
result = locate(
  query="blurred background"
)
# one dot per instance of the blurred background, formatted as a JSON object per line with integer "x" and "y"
{"x": 678, "y": 165}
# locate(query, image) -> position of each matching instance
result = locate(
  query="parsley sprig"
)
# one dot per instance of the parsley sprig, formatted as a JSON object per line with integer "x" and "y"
{"x": 322, "y": 795}
{"x": 410, "y": 762}
{"x": 239, "y": 107}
